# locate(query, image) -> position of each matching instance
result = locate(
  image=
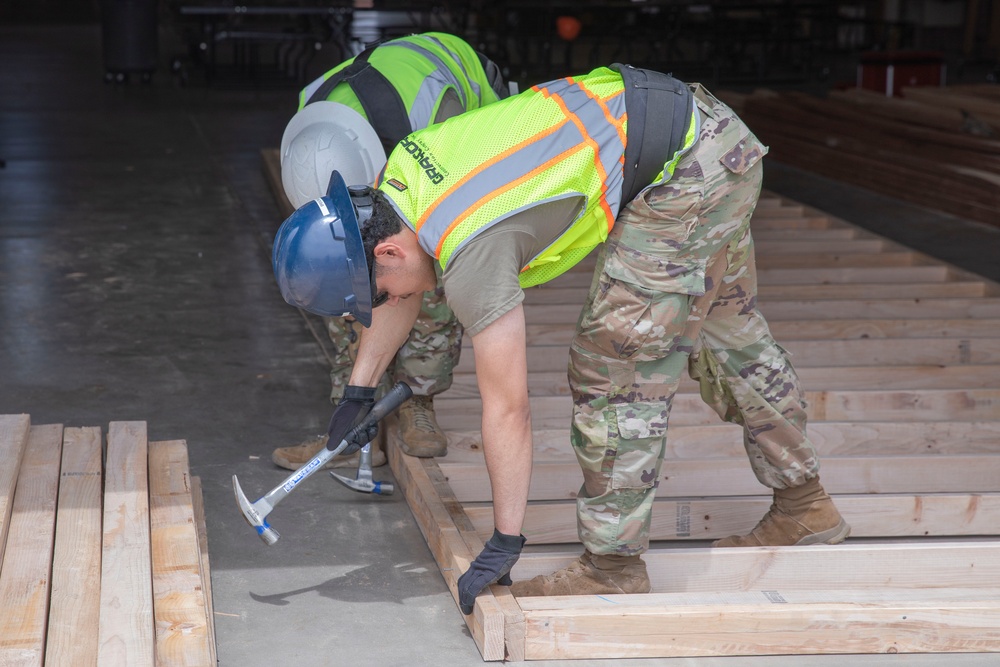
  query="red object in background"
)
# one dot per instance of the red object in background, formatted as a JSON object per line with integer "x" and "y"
{"x": 568, "y": 27}
{"x": 888, "y": 71}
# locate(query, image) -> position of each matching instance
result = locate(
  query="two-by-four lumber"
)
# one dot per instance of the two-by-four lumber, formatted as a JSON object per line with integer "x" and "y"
{"x": 551, "y": 480}
{"x": 179, "y": 607}
{"x": 924, "y": 290}
{"x": 725, "y": 440}
{"x": 771, "y": 622}
{"x": 821, "y": 599}
{"x": 923, "y": 405}
{"x": 926, "y": 376}
{"x": 25, "y": 579}
{"x": 710, "y": 518}
{"x": 857, "y": 352}
{"x": 448, "y": 544}
{"x": 922, "y": 566}
{"x": 846, "y": 329}
{"x": 75, "y": 601}
{"x": 125, "y": 636}
{"x": 198, "y": 503}
{"x": 14, "y": 431}
{"x": 815, "y": 275}
{"x": 819, "y": 309}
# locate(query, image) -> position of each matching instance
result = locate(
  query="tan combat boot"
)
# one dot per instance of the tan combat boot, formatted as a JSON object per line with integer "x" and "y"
{"x": 590, "y": 574}
{"x": 419, "y": 432}
{"x": 801, "y": 515}
{"x": 296, "y": 456}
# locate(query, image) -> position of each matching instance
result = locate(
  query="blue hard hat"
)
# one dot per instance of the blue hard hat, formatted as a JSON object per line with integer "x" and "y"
{"x": 319, "y": 258}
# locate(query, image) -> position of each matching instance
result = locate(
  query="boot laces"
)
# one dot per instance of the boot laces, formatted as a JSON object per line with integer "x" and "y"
{"x": 420, "y": 412}
{"x": 772, "y": 513}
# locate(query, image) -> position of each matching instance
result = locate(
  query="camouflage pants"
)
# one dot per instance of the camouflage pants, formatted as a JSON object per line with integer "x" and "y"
{"x": 425, "y": 361}
{"x": 674, "y": 289}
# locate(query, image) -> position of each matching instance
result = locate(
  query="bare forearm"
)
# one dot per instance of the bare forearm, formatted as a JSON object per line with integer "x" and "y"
{"x": 508, "y": 449}
{"x": 502, "y": 373}
{"x": 379, "y": 343}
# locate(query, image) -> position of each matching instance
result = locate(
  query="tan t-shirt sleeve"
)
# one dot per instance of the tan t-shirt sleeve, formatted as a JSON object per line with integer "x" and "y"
{"x": 481, "y": 279}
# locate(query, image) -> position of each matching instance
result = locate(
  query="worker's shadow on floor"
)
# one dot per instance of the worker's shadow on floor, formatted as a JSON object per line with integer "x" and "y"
{"x": 369, "y": 583}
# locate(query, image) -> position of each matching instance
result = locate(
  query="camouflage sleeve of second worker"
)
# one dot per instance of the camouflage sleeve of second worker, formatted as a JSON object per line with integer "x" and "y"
{"x": 481, "y": 279}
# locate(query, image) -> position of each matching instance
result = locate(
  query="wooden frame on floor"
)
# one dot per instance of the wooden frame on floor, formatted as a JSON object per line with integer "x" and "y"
{"x": 900, "y": 357}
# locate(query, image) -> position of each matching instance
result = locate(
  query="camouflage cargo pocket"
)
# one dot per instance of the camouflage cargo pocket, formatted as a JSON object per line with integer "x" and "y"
{"x": 642, "y": 430}
{"x": 746, "y": 153}
{"x": 666, "y": 272}
{"x": 638, "y": 312}
{"x": 704, "y": 369}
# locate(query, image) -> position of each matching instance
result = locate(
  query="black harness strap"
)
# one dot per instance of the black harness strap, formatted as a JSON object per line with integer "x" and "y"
{"x": 382, "y": 104}
{"x": 659, "y": 113}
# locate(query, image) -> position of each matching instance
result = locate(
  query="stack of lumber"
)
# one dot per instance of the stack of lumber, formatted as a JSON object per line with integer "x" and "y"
{"x": 899, "y": 355}
{"x": 937, "y": 147}
{"x": 102, "y": 563}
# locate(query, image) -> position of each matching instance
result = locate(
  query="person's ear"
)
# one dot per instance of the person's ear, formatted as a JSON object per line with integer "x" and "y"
{"x": 389, "y": 252}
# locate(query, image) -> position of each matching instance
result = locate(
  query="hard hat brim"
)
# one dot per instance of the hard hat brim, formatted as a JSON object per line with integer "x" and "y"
{"x": 319, "y": 258}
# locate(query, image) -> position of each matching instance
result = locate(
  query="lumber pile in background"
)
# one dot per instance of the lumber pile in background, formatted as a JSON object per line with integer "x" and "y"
{"x": 103, "y": 563}
{"x": 937, "y": 147}
{"x": 900, "y": 358}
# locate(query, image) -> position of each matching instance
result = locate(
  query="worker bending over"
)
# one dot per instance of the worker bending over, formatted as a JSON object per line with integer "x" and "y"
{"x": 349, "y": 120}
{"x": 664, "y": 178}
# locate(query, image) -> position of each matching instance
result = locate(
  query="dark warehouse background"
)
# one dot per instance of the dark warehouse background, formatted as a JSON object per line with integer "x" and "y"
{"x": 732, "y": 43}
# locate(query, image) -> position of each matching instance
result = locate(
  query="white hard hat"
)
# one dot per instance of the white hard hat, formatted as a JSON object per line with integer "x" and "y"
{"x": 321, "y": 138}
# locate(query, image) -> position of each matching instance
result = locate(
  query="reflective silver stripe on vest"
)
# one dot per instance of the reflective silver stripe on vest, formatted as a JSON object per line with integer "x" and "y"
{"x": 605, "y": 134}
{"x": 471, "y": 193}
{"x": 476, "y": 90}
{"x": 432, "y": 87}
{"x": 531, "y": 157}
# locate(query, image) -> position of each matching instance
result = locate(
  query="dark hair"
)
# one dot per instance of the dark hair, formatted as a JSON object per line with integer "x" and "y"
{"x": 383, "y": 223}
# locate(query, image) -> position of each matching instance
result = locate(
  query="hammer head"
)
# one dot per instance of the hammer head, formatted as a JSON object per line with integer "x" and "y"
{"x": 362, "y": 482}
{"x": 365, "y": 484}
{"x": 256, "y": 514}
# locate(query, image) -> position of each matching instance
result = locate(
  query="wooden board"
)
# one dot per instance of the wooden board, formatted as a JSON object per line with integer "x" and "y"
{"x": 125, "y": 636}
{"x": 14, "y": 431}
{"x": 921, "y": 149}
{"x": 75, "y": 602}
{"x": 180, "y": 611}
{"x": 900, "y": 361}
{"x": 771, "y": 622}
{"x": 199, "y": 514}
{"x": 84, "y": 558}
{"x": 26, "y": 575}
{"x": 715, "y": 517}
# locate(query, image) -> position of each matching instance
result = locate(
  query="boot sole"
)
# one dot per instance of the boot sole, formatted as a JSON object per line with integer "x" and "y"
{"x": 421, "y": 453}
{"x": 835, "y": 535}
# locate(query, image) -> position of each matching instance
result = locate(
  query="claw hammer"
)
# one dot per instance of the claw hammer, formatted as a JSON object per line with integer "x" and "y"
{"x": 363, "y": 482}
{"x": 256, "y": 513}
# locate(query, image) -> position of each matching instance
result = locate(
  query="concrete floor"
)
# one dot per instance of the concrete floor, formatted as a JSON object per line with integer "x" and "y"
{"x": 135, "y": 284}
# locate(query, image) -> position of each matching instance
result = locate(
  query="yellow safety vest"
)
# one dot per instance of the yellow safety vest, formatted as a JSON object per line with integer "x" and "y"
{"x": 421, "y": 68}
{"x": 562, "y": 139}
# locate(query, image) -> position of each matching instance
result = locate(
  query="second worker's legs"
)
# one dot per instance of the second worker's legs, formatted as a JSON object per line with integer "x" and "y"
{"x": 426, "y": 362}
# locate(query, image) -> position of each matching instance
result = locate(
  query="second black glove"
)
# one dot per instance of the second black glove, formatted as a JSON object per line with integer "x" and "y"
{"x": 354, "y": 406}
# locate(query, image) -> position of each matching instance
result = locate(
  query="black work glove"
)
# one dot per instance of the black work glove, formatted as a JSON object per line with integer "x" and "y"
{"x": 354, "y": 406}
{"x": 492, "y": 565}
